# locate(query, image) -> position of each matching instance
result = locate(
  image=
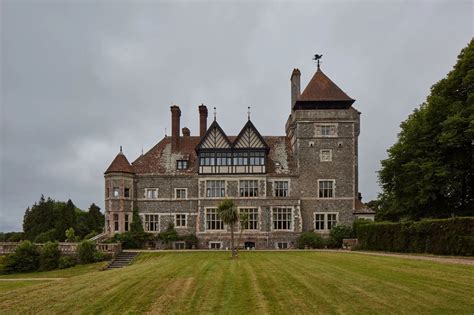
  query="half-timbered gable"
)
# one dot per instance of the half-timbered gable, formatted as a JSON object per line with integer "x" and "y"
{"x": 215, "y": 138}
{"x": 250, "y": 138}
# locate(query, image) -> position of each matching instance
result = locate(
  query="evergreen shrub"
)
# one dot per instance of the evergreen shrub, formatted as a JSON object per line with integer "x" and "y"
{"x": 453, "y": 236}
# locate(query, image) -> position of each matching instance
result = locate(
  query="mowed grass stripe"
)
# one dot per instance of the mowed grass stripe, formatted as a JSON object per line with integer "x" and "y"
{"x": 256, "y": 283}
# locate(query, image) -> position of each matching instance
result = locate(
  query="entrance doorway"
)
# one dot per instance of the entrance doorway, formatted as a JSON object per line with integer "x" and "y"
{"x": 249, "y": 245}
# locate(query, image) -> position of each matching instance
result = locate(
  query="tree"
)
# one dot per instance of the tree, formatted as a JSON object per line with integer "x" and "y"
{"x": 136, "y": 225}
{"x": 49, "y": 257}
{"x": 95, "y": 218}
{"x": 244, "y": 219}
{"x": 229, "y": 215}
{"x": 429, "y": 171}
{"x": 25, "y": 258}
{"x": 70, "y": 235}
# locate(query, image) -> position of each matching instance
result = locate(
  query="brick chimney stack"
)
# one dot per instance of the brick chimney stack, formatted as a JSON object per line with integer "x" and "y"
{"x": 175, "y": 118}
{"x": 202, "y": 120}
{"x": 186, "y": 132}
{"x": 295, "y": 86}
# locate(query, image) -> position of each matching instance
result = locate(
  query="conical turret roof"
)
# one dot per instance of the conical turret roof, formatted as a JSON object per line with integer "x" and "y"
{"x": 120, "y": 165}
{"x": 321, "y": 92}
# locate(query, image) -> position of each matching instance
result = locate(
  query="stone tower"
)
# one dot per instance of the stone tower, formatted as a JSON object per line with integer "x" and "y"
{"x": 323, "y": 129}
{"x": 119, "y": 194}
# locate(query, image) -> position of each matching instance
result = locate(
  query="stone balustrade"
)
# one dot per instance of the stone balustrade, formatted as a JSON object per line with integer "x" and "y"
{"x": 65, "y": 248}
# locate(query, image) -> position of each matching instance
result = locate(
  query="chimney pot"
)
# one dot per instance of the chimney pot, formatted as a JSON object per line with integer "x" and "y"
{"x": 202, "y": 120}
{"x": 359, "y": 195}
{"x": 186, "y": 132}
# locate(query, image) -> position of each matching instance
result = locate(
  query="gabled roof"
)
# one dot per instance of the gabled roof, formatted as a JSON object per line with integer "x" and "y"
{"x": 215, "y": 138}
{"x": 362, "y": 208}
{"x": 120, "y": 165}
{"x": 323, "y": 92}
{"x": 249, "y": 137}
{"x": 161, "y": 160}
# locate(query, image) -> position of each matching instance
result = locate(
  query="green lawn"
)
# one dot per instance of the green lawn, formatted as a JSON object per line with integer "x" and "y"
{"x": 258, "y": 282}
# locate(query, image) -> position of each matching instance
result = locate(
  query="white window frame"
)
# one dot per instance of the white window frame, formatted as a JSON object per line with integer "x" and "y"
{"x": 332, "y": 128}
{"x": 253, "y": 189}
{"x": 151, "y": 189}
{"x": 180, "y": 243}
{"x": 274, "y": 188}
{"x": 157, "y": 222}
{"x": 333, "y": 188}
{"x": 185, "y": 193}
{"x": 216, "y": 242}
{"x": 114, "y": 190}
{"x": 180, "y": 162}
{"x": 176, "y": 220}
{"x": 321, "y": 157}
{"x": 277, "y": 245}
{"x": 206, "y": 220}
{"x": 292, "y": 222}
{"x": 208, "y": 188}
{"x": 257, "y": 220}
{"x": 325, "y": 220}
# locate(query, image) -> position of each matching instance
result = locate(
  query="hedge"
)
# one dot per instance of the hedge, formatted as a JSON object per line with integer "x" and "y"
{"x": 453, "y": 236}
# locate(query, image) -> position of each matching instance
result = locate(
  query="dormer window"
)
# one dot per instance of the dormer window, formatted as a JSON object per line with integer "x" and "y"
{"x": 182, "y": 164}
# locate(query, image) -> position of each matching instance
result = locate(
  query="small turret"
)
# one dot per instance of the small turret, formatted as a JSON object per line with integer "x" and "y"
{"x": 119, "y": 190}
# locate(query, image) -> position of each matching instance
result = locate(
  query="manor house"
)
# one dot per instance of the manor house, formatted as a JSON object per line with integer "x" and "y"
{"x": 305, "y": 180}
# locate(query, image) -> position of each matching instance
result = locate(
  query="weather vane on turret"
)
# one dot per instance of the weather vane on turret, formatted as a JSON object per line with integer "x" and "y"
{"x": 316, "y": 58}
{"x": 248, "y": 113}
{"x": 215, "y": 113}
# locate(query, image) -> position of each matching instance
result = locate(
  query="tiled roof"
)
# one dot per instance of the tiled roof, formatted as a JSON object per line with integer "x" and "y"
{"x": 362, "y": 208}
{"x": 161, "y": 160}
{"x": 120, "y": 164}
{"x": 321, "y": 88}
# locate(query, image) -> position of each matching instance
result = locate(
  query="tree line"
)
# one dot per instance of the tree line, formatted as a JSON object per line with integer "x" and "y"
{"x": 48, "y": 220}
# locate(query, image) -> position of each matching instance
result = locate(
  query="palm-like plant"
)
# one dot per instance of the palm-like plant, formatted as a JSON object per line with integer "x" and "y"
{"x": 229, "y": 215}
{"x": 244, "y": 219}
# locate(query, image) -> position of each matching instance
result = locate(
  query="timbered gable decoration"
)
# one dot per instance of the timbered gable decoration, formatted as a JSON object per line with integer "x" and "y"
{"x": 250, "y": 138}
{"x": 215, "y": 138}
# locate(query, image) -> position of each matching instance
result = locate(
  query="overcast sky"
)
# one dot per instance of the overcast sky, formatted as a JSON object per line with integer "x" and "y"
{"x": 81, "y": 78}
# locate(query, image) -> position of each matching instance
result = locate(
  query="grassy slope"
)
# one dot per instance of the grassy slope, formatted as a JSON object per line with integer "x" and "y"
{"x": 259, "y": 282}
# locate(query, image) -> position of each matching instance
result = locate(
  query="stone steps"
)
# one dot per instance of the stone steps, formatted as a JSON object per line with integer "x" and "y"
{"x": 122, "y": 260}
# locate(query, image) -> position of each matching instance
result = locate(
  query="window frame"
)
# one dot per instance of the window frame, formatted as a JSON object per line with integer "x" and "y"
{"x": 149, "y": 190}
{"x": 215, "y": 189}
{"x": 255, "y": 222}
{"x": 275, "y": 189}
{"x": 321, "y": 194}
{"x": 180, "y": 163}
{"x": 184, "y": 218}
{"x": 185, "y": 193}
{"x": 275, "y": 219}
{"x": 326, "y": 130}
{"x": 156, "y": 222}
{"x": 326, "y": 226}
{"x": 216, "y": 220}
{"x": 116, "y": 192}
{"x": 127, "y": 222}
{"x": 286, "y": 246}
{"x": 221, "y": 245}
{"x": 248, "y": 191}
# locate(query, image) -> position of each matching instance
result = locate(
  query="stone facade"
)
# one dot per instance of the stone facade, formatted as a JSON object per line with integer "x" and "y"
{"x": 306, "y": 180}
